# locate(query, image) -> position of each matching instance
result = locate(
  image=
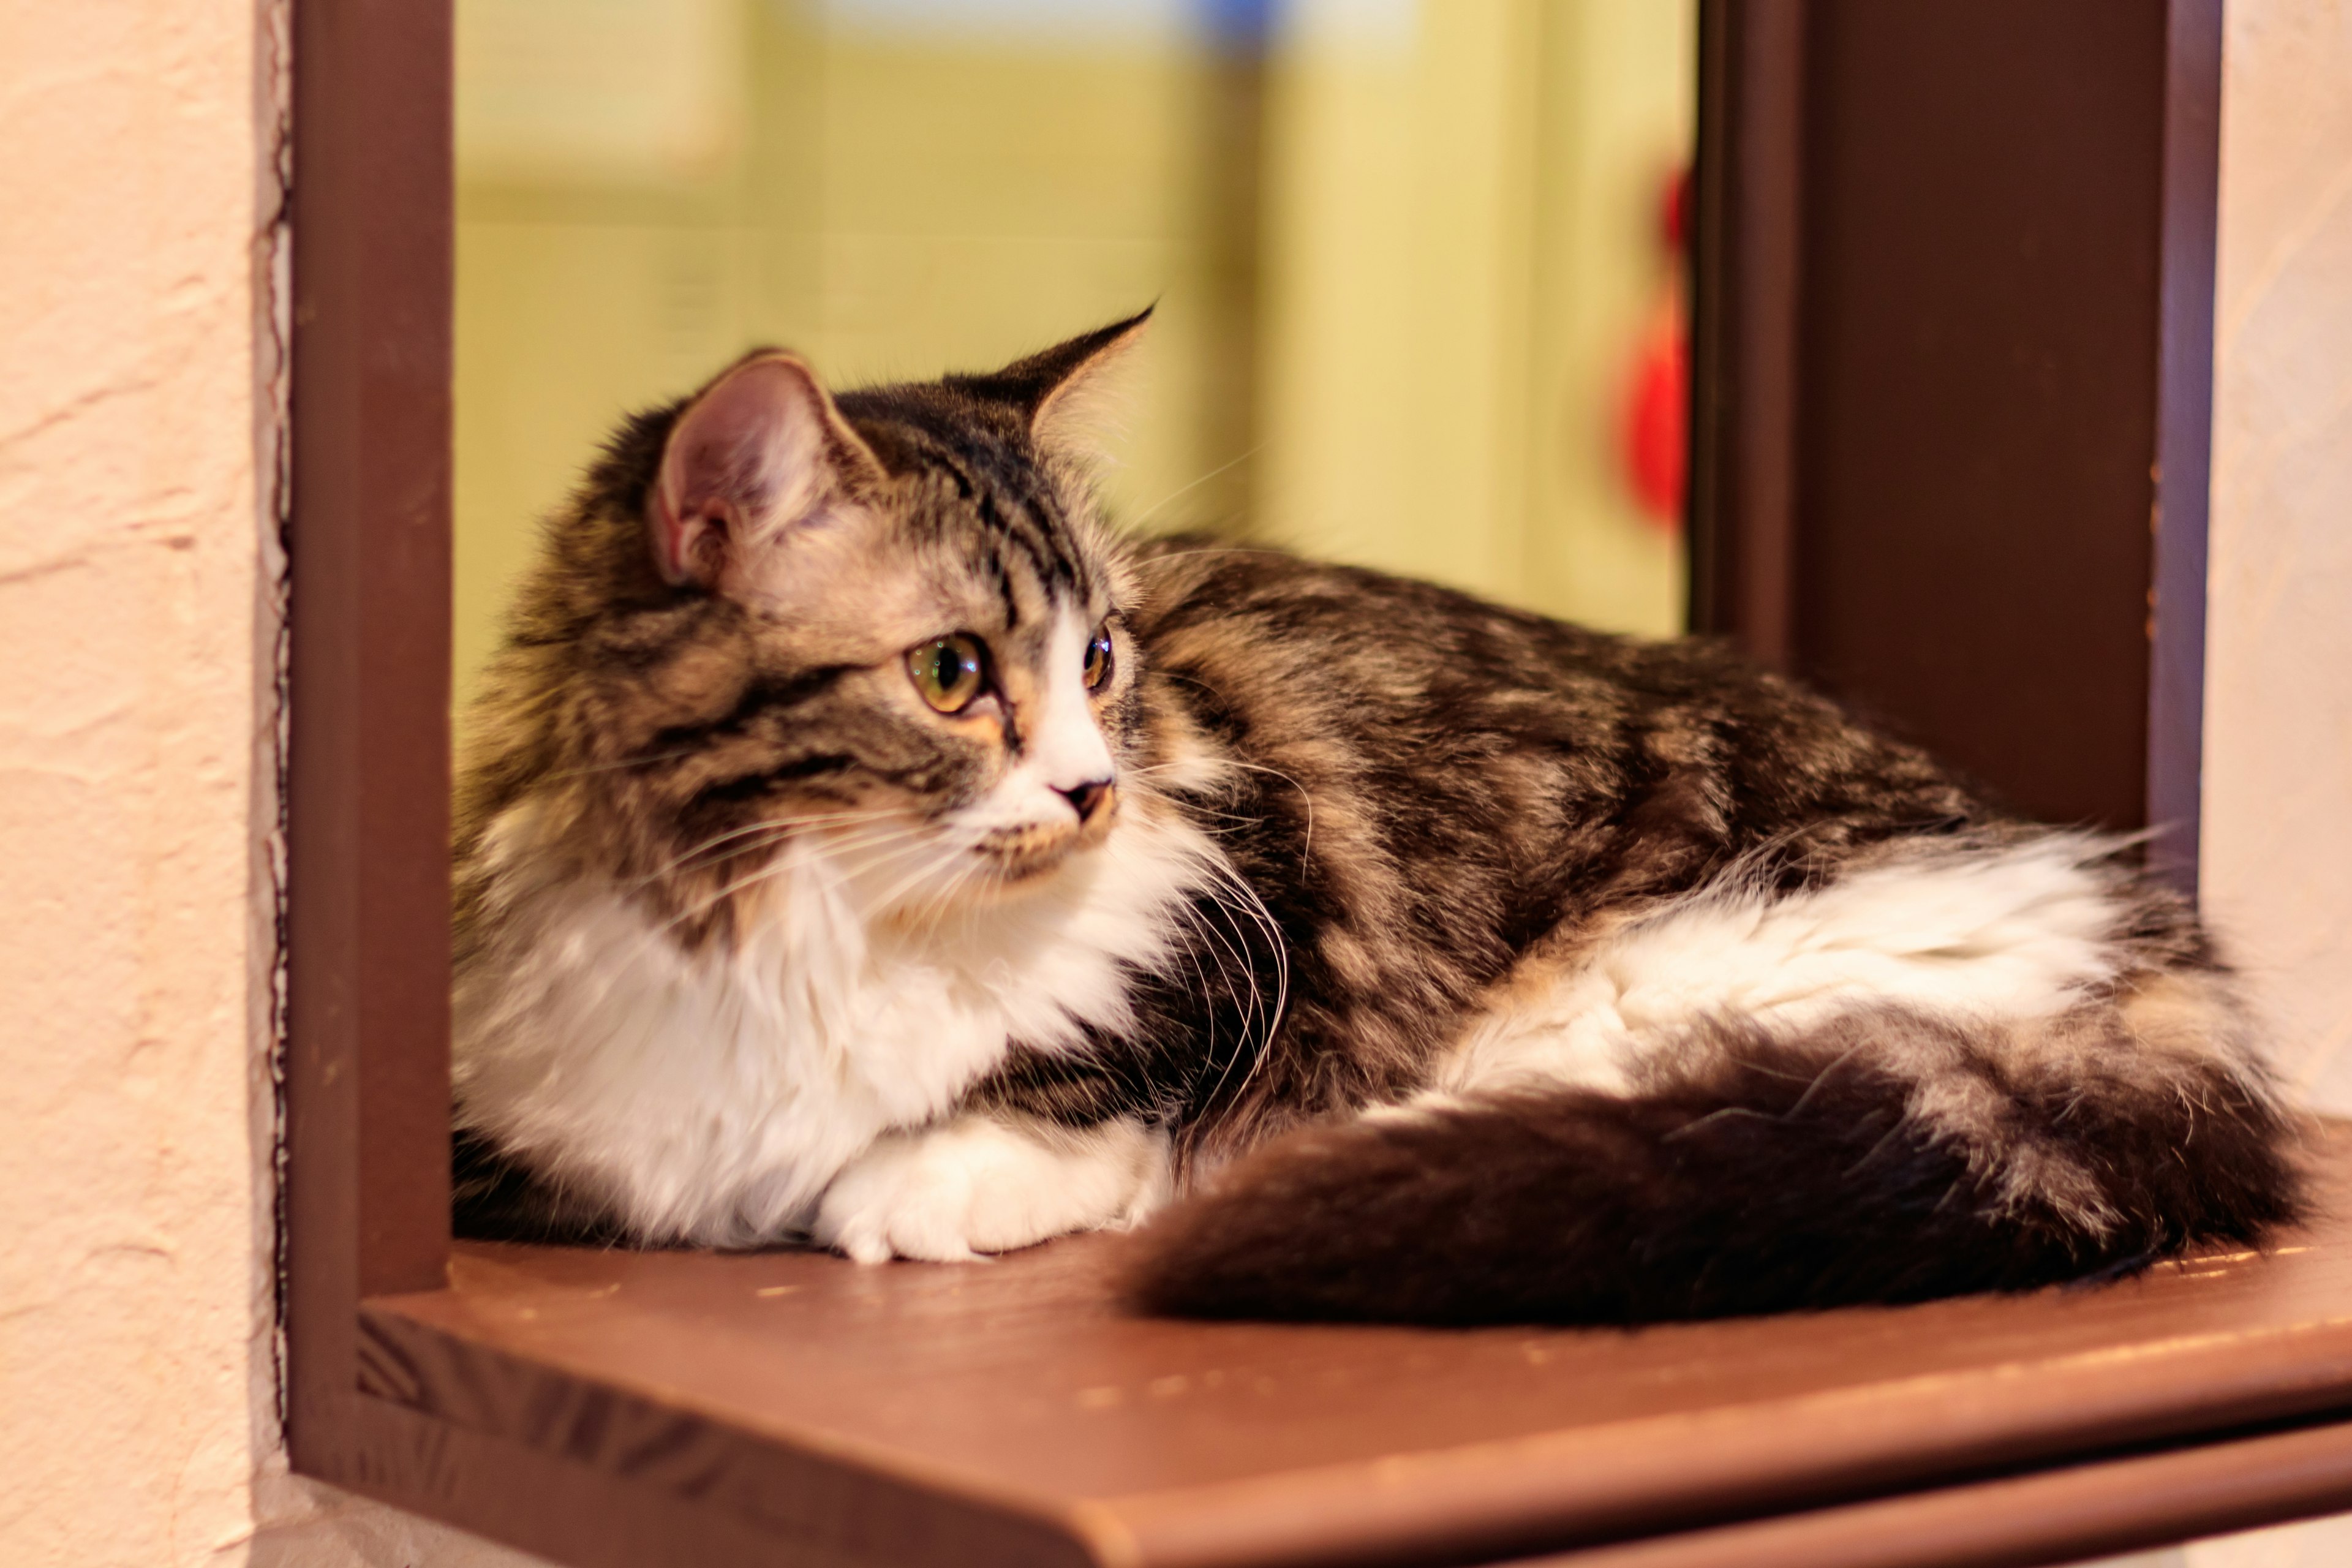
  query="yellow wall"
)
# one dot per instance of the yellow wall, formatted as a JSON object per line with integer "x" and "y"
{"x": 889, "y": 202}
{"x": 1414, "y": 364}
{"x": 1461, "y": 247}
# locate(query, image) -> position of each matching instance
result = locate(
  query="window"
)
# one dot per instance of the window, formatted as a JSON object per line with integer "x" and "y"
{"x": 607, "y": 1407}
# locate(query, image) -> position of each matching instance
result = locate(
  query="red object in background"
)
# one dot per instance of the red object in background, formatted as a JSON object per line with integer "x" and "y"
{"x": 1673, "y": 213}
{"x": 1656, "y": 421}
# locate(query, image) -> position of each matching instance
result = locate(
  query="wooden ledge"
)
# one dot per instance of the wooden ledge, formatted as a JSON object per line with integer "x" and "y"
{"x": 1011, "y": 1412}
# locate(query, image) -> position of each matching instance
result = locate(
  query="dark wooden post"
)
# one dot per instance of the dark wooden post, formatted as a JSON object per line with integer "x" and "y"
{"x": 367, "y": 1068}
{"x": 1954, "y": 309}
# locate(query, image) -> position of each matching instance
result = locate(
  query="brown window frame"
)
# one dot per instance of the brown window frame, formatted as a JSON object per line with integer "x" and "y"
{"x": 1890, "y": 357}
{"x": 366, "y": 1070}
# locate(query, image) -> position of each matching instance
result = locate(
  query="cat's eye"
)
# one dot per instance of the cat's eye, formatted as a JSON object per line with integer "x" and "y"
{"x": 949, "y": 671}
{"x": 1097, "y": 666}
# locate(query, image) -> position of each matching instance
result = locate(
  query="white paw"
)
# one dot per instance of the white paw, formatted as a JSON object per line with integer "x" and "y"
{"x": 978, "y": 1185}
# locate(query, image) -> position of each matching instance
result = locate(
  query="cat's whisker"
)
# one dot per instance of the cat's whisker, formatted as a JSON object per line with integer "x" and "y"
{"x": 947, "y": 854}
{"x": 776, "y": 868}
{"x": 1233, "y": 550}
{"x": 898, "y": 840}
{"x": 1253, "y": 908}
{"x": 990, "y": 878}
{"x": 888, "y": 906}
{"x": 896, "y": 850}
{"x": 929, "y": 906}
{"x": 1254, "y": 1011}
{"x": 1188, "y": 805}
{"x": 1222, "y": 950}
{"x": 1241, "y": 1045}
{"x": 1308, "y": 847}
{"x": 780, "y": 826}
{"x": 778, "y": 833}
{"x": 759, "y": 834}
{"x": 696, "y": 909}
{"x": 1208, "y": 1013}
{"x": 927, "y": 910}
{"x": 850, "y": 845}
{"x": 1156, "y": 508}
{"x": 862, "y": 860}
{"x": 945, "y": 900}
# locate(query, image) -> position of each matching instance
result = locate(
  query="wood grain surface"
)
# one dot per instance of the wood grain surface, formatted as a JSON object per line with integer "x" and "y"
{"x": 2061, "y": 1515}
{"x": 1014, "y": 1412}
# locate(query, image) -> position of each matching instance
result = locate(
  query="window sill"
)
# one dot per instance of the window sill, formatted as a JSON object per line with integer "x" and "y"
{"x": 618, "y": 1407}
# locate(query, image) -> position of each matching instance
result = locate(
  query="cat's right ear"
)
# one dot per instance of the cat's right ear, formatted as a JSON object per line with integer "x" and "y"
{"x": 1076, "y": 393}
{"x": 760, "y": 455}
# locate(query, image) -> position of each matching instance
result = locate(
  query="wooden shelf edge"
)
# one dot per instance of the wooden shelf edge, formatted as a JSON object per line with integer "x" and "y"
{"x": 579, "y": 1507}
{"x": 2026, "y": 1522}
{"x": 423, "y": 1389}
{"x": 582, "y": 1513}
{"x": 556, "y": 1507}
{"x": 1550, "y": 1491}
{"x": 485, "y": 1439}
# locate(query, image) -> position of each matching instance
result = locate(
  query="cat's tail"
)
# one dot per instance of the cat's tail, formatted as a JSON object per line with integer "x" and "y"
{"x": 1767, "y": 1174}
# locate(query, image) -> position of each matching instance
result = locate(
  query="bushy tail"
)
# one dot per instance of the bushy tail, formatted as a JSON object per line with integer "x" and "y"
{"x": 1769, "y": 1177}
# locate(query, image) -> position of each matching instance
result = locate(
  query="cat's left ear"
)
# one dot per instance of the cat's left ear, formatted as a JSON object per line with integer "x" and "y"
{"x": 1075, "y": 392}
{"x": 759, "y": 457}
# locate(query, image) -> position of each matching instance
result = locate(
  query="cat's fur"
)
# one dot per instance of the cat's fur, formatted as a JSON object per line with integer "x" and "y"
{"x": 1461, "y": 965}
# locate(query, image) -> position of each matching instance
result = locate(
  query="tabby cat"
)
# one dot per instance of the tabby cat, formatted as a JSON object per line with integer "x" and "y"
{"x": 858, "y": 842}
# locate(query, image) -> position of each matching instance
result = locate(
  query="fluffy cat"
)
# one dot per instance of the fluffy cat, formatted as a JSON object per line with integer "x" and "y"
{"x": 859, "y": 842}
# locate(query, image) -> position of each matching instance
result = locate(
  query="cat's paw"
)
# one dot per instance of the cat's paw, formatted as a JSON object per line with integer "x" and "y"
{"x": 979, "y": 1185}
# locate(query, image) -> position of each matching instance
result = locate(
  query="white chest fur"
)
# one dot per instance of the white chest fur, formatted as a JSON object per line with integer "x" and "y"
{"x": 709, "y": 1098}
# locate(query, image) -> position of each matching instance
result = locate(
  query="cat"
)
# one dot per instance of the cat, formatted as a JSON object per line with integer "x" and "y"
{"x": 859, "y": 842}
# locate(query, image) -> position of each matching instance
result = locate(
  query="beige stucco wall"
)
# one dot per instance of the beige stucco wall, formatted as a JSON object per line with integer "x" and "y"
{"x": 136, "y": 1382}
{"x": 2278, "y": 753}
{"x": 135, "y": 618}
{"x": 131, "y": 1302}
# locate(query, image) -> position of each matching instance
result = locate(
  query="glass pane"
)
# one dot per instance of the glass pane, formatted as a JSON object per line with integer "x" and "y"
{"x": 1418, "y": 292}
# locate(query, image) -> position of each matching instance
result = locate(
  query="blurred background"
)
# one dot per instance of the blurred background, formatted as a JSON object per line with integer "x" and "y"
{"x": 1418, "y": 265}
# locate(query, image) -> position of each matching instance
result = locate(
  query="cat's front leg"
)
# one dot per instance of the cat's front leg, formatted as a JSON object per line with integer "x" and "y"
{"x": 992, "y": 1181}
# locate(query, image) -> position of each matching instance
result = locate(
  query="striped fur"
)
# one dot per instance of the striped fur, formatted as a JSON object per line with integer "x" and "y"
{"x": 1459, "y": 965}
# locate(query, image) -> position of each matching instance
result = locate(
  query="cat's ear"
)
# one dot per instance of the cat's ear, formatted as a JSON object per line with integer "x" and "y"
{"x": 1075, "y": 392}
{"x": 760, "y": 454}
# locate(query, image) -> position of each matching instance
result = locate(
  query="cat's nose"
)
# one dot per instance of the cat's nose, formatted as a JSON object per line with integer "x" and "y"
{"x": 1087, "y": 798}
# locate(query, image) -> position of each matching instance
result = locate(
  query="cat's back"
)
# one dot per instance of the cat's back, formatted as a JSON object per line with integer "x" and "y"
{"x": 1424, "y": 705}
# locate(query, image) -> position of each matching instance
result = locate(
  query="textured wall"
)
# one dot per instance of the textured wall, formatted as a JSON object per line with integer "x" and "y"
{"x": 131, "y": 1305}
{"x": 2278, "y": 748}
{"x": 136, "y": 1380}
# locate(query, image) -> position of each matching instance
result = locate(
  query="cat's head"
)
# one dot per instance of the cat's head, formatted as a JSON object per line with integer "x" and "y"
{"x": 887, "y": 626}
